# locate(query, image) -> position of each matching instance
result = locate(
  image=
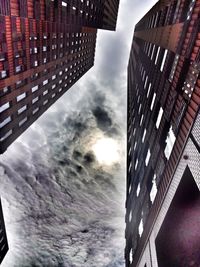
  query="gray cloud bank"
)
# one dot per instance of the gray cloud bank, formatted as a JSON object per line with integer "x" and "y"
{"x": 63, "y": 207}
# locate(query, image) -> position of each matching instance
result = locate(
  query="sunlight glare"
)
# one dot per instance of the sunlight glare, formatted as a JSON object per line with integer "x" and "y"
{"x": 106, "y": 151}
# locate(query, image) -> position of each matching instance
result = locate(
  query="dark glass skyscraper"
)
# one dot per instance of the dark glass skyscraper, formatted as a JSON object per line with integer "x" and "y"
{"x": 163, "y": 146}
{"x": 45, "y": 47}
{"x": 3, "y": 239}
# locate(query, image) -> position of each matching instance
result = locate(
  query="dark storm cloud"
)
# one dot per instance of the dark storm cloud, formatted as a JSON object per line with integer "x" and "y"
{"x": 102, "y": 118}
{"x": 113, "y": 131}
{"x": 77, "y": 154}
{"x": 78, "y": 126}
{"x": 89, "y": 158}
{"x": 103, "y": 114}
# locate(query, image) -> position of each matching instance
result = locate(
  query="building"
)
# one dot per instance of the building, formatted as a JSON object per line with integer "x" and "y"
{"x": 3, "y": 239}
{"x": 45, "y": 47}
{"x": 163, "y": 142}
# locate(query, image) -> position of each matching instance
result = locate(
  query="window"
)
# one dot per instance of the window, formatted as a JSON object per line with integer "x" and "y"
{"x": 190, "y": 9}
{"x": 159, "y": 118}
{"x": 35, "y": 110}
{"x": 174, "y": 68}
{"x": 6, "y": 136}
{"x": 153, "y": 101}
{"x": 138, "y": 100}
{"x": 144, "y": 135}
{"x": 35, "y": 100}
{"x": 35, "y": 64}
{"x": 140, "y": 106}
{"x": 149, "y": 23}
{"x": 129, "y": 138}
{"x": 148, "y": 157}
{"x": 136, "y": 164}
{"x": 129, "y": 153}
{"x": 45, "y": 92}
{"x": 130, "y": 167}
{"x": 20, "y": 97}
{"x": 18, "y": 83}
{"x": 152, "y": 21}
{"x": 138, "y": 190}
{"x": 22, "y": 121}
{"x": 131, "y": 255}
{"x": 152, "y": 53}
{"x": 141, "y": 227}
{"x": 18, "y": 69}
{"x": 130, "y": 188}
{"x": 2, "y": 57}
{"x": 170, "y": 143}
{"x": 135, "y": 145}
{"x": 163, "y": 60}
{"x": 156, "y": 59}
{"x": 145, "y": 84}
{"x": 22, "y": 109}
{"x": 45, "y": 82}
{"x": 130, "y": 216}
{"x": 35, "y": 88}
{"x": 64, "y": 4}
{"x": 4, "y": 107}
{"x": 153, "y": 190}
{"x": 188, "y": 87}
{"x": 134, "y": 131}
{"x": 144, "y": 73}
{"x": 156, "y": 19}
{"x": 149, "y": 89}
{"x": 6, "y": 121}
{"x": 141, "y": 120}
{"x": 5, "y": 90}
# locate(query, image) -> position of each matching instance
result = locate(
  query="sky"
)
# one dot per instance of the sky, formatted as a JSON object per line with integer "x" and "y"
{"x": 63, "y": 181}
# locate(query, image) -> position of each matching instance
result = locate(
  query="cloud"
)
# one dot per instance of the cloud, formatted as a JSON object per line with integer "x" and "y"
{"x": 102, "y": 118}
{"x": 63, "y": 198}
{"x": 89, "y": 158}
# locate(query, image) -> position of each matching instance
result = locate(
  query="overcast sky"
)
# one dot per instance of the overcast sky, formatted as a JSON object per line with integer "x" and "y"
{"x": 63, "y": 205}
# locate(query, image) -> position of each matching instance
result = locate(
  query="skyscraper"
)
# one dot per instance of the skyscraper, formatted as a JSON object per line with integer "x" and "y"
{"x": 3, "y": 239}
{"x": 45, "y": 47}
{"x": 163, "y": 144}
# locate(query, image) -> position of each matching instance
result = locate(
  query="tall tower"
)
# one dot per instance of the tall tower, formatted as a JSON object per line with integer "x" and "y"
{"x": 163, "y": 143}
{"x": 45, "y": 47}
{"x": 3, "y": 239}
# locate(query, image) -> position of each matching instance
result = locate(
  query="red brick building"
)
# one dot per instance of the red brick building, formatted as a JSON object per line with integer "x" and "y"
{"x": 163, "y": 146}
{"x": 45, "y": 47}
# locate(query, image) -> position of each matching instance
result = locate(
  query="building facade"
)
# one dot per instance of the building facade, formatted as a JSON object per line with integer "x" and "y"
{"x": 163, "y": 139}
{"x": 45, "y": 47}
{"x": 3, "y": 238}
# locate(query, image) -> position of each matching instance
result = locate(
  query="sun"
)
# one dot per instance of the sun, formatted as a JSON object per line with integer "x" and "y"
{"x": 106, "y": 151}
